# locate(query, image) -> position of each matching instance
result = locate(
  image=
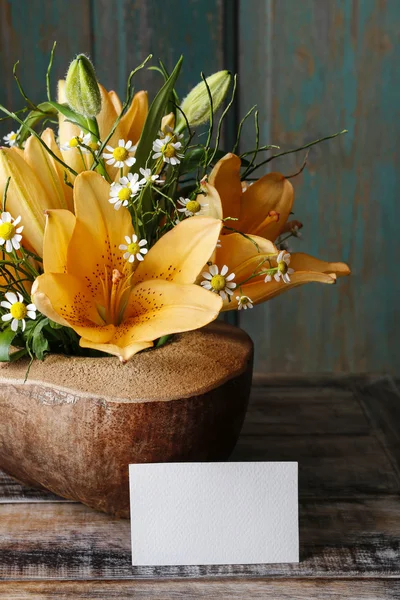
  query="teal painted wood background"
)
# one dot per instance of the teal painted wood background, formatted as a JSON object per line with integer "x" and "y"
{"x": 313, "y": 67}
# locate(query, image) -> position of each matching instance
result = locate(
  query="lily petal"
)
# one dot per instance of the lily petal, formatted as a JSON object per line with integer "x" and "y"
{"x": 26, "y": 197}
{"x": 123, "y": 354}
{"x": 273, "y": 192}
{"x": 49, "y": 139}
{"x": 158, "y": 308}
{"x": 99, "y": 230}
{"x": 212, "y": 198}
{"x": 181, "y": 253}
{"x": 133, "y": 120}
{"x": 259, "y": 291}
{"x": 116, "y": 101}
{"x": 58, "y": 232}
{"x": 70, "y": 299}
{"x": 41, "y": 162}
{"x": 304, "y": 262}
{"x": 225, "y": 177}
{"x": 244, "y": 255}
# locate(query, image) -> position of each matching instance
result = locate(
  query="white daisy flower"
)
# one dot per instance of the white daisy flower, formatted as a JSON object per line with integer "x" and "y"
{"x": 11, "y": 138}
{"x": 10, "y": 234}
{"x": 219, "y": 282}
{"x": 244, "y": 302}
{"x": 123, "y": 190}
{"x": 168, "y": 150}
{"x": 191, "y": 208}
{"x": 133, "y": 248}
{"x": 283, "y": 271}
{"x": 75, "y": 142}
{"x": 87, "y": 140}
{"x": 18, "y": 310}
{"x": 147, "y": 176}
{"x": 120, "y": 155}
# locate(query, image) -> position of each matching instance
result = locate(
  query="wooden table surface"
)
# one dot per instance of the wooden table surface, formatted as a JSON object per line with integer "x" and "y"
{"x": 343, "y": 431}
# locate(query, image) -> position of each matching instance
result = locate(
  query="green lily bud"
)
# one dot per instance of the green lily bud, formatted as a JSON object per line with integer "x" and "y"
{"x": 81, "y": 87}
{"x": 196, "y": 105}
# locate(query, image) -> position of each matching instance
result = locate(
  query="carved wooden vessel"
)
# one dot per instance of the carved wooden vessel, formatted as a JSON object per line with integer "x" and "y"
{"x": 77, "y": 423}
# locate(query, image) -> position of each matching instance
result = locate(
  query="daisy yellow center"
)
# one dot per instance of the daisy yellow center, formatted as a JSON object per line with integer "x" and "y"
{"x": 243, "y": 300}
{"x": 168, "y": 150}
{"x": 193, "y": 206}
{"x": 13, "y": 136}
{"x": 18, "y": 310}
{"x": 7, "y": 231}
{"x": 283, "y": 267}
{"x": 120, "y": 153}
{"x": 124, "y": 194}
{"x": 133, "y": 248}
{"x": 75, "y": 141}
{"x": 218, "y": 283}
{"x": 92, "y": 145}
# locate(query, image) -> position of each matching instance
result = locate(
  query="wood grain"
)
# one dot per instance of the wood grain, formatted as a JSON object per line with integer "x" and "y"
{"x": 298, "y": 589}
{"x": 349, "y": 508}
{"x": 339, "y": 538}
{"x": 315, "y": 68}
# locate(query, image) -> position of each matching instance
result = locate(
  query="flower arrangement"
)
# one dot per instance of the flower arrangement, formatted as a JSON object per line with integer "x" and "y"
{"x": 121, "y": 224}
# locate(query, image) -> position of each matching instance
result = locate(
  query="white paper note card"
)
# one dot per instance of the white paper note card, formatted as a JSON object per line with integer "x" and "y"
{"x": 214, "y": 513}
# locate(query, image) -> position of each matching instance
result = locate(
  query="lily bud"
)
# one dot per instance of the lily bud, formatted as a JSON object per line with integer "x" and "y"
{"x": 196, "y": 105}
{"x": 81, "y": 87}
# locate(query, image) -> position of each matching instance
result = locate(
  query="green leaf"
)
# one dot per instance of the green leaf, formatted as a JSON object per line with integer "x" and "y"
{"x": 40, "y": 344}
{"x": 6, "y": 339}
{"x": 153, "y": 121}
{"x": 34, "y": 118}
{"x": 70, "y": 115}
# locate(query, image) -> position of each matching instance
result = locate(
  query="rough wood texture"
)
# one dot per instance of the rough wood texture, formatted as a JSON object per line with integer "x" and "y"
{"x": 343, "y": 433}
{"x": 315, "y": 67}
{"x": 77, "y": 423}
{"x": 219, "y": 590}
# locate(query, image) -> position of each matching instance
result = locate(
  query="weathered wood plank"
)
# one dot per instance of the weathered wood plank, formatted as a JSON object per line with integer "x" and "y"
{"x": 328, "y": 465}
{"x": 27, "y": 33}
{"x": 190, "y": 27}
{"x": 69, "y": 541}
{"x": 372, "y": 589}
{"x": 340, "y": 451}
{"x": 314, "y": 68}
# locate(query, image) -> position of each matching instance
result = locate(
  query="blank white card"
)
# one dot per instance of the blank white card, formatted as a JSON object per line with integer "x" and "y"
{"x": 214, "y": 513}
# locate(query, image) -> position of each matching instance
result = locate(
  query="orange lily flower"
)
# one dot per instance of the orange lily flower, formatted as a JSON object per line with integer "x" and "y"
{"x": 37, "y": 184}
{"x": 247, "y": 256}
{"x": 260, "y": 213}
{"x": 129, "y": 128}
{"x": 116, "y": 308}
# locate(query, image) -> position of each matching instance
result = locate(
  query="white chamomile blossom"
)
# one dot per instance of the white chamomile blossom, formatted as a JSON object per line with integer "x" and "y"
{"x": 283, "y": 272}
{"x": 147, "y": 176}
{"x": 18, "y": 310}
{"x": 191, "y": 208}
{"x": 168, "y": 150}
{"x": 219, "y": 282}
{"x": 121, "y": 155}
{"x": 133, "y": 248}
{"x": 75, "y": 142}
{"x": 11, "y": 138}
{"x": 88, "y": 141}
{"x": 244, "y": 302}
{"x": 10, "y": 234}
{"x": 123, "y": 190}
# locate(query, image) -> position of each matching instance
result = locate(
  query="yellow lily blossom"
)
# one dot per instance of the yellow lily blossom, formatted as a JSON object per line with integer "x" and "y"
{"x": 259, "y": 209}
{"x": 37, "y": 184}
{"x": 129, "y": 127}
{"x": 115, "y": 308}
{"x": 253, "y": 254}
{"x": 261, "y": 213}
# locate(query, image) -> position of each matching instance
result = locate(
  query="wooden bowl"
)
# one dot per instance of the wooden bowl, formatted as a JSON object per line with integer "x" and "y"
{"x": 77, "y": 423}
